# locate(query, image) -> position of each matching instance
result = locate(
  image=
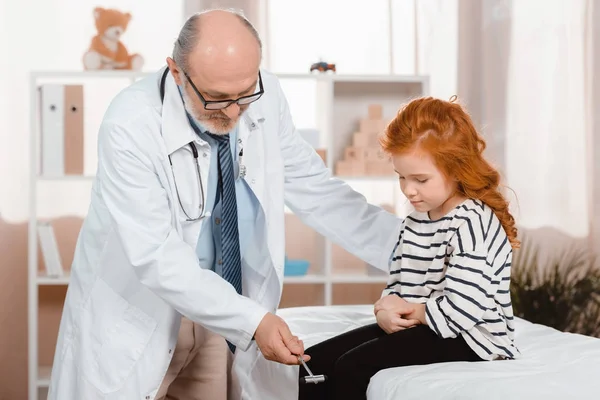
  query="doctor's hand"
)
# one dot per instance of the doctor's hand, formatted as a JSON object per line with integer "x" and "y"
{"x": 277, "y": 343}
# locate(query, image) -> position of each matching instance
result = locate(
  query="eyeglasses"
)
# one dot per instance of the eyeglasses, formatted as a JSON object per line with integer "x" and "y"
{"x": 221, "y": 104}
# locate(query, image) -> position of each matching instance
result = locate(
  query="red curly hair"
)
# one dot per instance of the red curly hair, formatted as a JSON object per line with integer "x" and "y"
{"x": 444, "y": 130}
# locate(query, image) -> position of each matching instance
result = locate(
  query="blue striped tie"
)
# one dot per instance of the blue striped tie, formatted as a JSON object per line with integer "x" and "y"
{"x": 230, "y": 243}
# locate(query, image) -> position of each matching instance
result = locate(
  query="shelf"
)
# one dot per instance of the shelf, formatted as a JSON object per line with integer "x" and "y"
{"x": 305, "y": 279}
{"x": 45, "y": 280}
{"x": 44, "y": 178}
{"x": 368, "y": 178}
{"x": 90, "y": 74}
{"x": 44, "y": 373}
{"x": 340, "y": 278}
{"x": 317, "y": 76}
{"x": 340, "y": 101}
{"x": 334, "y": 77}
{"x": 379, "y": 78}
{"x": 336, "y": 278}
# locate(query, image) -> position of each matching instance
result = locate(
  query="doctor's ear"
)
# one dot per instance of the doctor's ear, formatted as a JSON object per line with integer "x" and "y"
{"x": 175, "y": 71}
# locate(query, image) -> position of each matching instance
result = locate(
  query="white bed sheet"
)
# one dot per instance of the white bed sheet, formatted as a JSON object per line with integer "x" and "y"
{"x": 554, "y": 365}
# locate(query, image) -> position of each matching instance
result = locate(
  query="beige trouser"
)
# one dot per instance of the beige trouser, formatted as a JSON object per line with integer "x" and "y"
{"x": 199, "y": 368}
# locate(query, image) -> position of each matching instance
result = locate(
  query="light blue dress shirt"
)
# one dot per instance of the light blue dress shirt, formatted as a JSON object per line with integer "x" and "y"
{"x": 209, "y": 248}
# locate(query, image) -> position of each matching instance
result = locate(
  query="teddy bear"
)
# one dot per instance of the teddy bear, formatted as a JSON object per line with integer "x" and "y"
{"x": 106, "y": 50}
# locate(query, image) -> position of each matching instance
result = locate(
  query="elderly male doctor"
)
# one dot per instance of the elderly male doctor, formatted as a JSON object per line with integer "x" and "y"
{"x": 184, "y": 239}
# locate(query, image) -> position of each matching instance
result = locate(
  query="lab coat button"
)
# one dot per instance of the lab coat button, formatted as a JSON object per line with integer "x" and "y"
{"x": 253, "y": 181}
{"x": 220, "y": 262}
{"x": 217, "y": 221}
{"x": 204, "y": 155}
{"x": 170, "y": 351}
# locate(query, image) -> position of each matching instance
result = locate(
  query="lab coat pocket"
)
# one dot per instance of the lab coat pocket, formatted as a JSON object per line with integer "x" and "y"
{"x": 118, "y": 334}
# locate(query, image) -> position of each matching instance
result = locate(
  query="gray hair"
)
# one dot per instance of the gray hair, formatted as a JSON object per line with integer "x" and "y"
{"x": 189, "y": 35}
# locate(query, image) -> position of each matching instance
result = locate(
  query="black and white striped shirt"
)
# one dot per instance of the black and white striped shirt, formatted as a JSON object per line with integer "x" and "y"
{"x": 459, "y": 266}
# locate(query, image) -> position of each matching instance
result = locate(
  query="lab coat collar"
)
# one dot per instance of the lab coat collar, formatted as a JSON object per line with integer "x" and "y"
{"x": 176, "y": 129}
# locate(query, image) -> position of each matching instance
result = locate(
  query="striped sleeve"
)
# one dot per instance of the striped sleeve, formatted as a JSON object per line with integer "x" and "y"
{"x": 394, "y": 263}
{"x": 468, "y": 284}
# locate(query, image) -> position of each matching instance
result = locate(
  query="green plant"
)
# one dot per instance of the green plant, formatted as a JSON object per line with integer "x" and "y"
{"x": 564, "y": 294}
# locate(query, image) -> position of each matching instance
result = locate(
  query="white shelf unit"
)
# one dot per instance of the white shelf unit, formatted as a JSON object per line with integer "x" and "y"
{"x": 338, "y": 103}
{"x": 39, "y": 187}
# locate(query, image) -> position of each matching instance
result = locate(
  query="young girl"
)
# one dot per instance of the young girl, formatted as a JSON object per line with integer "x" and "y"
{"x": 447, "y": 297}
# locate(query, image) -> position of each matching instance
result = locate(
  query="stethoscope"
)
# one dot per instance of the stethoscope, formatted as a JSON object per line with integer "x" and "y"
{"x": 241, "y": 168}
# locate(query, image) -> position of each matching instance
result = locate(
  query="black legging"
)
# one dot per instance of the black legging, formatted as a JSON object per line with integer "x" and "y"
{"x": 351, "y": 359}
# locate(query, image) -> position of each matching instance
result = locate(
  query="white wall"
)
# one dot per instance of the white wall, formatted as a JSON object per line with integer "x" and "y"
{"x": 546, "y": 119}
{"x": 53, "y": 35}
{"x": 355, "y": 35}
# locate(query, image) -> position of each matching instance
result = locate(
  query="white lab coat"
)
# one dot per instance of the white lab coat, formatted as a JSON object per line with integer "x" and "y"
{"x": 135, "y": 269}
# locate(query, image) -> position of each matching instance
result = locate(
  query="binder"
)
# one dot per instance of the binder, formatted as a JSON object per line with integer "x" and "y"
{"x": 61, "y": 129}
{"x": 73, "y": 124}
{"x": 50, "y": 253}
{"x": 52, "y": 129}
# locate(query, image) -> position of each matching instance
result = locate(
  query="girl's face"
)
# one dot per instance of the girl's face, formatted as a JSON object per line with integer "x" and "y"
{"x": 424, "y": 185}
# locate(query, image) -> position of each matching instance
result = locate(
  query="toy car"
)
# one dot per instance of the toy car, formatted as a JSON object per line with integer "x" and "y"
{"x": 322, "y": 66}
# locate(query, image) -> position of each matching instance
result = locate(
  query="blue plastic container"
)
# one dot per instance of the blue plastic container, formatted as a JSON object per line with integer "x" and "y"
{"x": 295, "y": 267}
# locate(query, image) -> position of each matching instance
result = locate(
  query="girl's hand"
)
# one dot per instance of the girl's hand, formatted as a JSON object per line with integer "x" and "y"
{"x": 394, "y": 302}
{"x": 419, "y": 314}
{"x": 391, "y": 321}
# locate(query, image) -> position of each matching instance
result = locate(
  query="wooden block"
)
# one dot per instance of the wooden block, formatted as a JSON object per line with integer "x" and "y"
{"x": 375, "y": 111}
{"x": 323, "y": 154}
{"x": 376, "y": 126}
{"x": 365, "y": 140}
{"x": 350, "y": 168}
{"x": 355, "y": 154}
{"x": 379, "y": 168}
{"x": 375, "y": 154}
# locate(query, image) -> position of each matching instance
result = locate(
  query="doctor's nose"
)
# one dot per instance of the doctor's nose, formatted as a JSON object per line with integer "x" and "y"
{"x": 232, "y": 111}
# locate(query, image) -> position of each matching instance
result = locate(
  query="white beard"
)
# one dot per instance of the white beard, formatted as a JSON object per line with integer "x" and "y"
{"x": 213, "y": 126}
